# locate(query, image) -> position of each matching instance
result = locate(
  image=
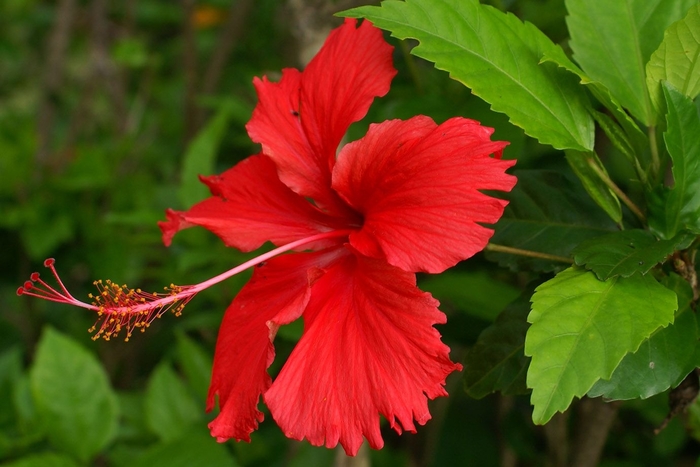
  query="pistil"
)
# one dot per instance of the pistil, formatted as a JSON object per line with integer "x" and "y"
{"x": 120, "y": 308}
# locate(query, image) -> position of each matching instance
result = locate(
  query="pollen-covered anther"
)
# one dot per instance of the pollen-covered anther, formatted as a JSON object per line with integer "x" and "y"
{"x": 120, "y": 308}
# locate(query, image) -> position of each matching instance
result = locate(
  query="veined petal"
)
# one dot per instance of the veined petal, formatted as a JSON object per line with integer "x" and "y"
{"x": 369, "y": 347}
{"x": 301, "y": 120}
{"x": 250, "y": 206}
{"x": 277, "y": 294}
{"x": 418, "y": 186}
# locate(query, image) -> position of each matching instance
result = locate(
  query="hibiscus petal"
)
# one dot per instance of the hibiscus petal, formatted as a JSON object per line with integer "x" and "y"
{"x": 369, "y": 347}
{"x": 301, "y": 120}
{"x": 277, "y": 294}
{"x": 417, "y": 185}
{"x": 251, "y": 206}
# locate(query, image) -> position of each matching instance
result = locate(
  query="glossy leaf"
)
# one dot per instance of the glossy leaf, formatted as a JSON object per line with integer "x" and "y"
{"x": 663, "y": 360}
{"x": 534, "y": 221}
{"x": 677, "y": 60}
{"x": 677, "y": 208}
{"x": 497, "y": 56}
{"x": 582, "y": 164}
{"x": 581, "y": 330}
{"x": 170, "y": 408}
{"x": 73, "y": 395}
{"x": 624, "y": 253}
{"x": 612, "y": 42}
{"x": 497, "y": 362}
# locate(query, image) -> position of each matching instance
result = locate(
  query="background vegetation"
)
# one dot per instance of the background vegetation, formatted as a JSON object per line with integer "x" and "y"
{"x": 108, "y": 112}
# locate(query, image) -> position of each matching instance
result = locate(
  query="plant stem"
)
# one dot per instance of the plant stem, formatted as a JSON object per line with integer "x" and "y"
{"x": 655, "y": 161}
{"x": 616, "y": 189}
{"x": 529, "y": 253}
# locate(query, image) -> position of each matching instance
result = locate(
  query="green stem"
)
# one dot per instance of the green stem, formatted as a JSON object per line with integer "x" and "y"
{"x": 655, "y": 161}
{"x": 529, "y": 253}
{"x": 616, "y": 189}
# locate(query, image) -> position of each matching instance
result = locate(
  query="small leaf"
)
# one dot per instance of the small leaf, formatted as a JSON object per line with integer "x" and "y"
{"x": 677, "y": 60}
{"x": 678, "y": 208}
{"x": 581, "y": 163}
{"x": 612, "y": 41}
{"x": 663, "y": 360}
{"x": 581, "y": 330}
{"x": 625, "y": 253}
{"x": 497, "y": 56}
{"x": 196, "y": 364}
{"x": 548, "y": 213}
{"x": 476, "y": 293}
{"x": 497, "y": 362}
{"x": 192, "y": 448}
{"x": 201, "y": 156}
{"x": 170, "y": 408}
{"x": 73, "y": 395}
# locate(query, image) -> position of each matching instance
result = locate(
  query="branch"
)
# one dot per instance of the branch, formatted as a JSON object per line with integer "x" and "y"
{"x": 595, "y": 418}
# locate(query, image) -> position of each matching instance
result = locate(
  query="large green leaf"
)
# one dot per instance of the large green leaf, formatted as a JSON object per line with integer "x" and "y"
{"x": 196, "y": 364}
{"x": 672, "y": 210}
{"x": 625, "y": 253}
{"x": 497, "y": 56}
{"x": 170, "y": 408}
{"x": 497, "y": 362}
{"x": 582, "y": 328}
{"x": 73, "y": 395}
{"x": 663, "y": 360}
{"x": 192, "y": 448}
{"x": 677, "y": 60}
{"x": 548, "y": 213}
{"x": 612, "y": 41}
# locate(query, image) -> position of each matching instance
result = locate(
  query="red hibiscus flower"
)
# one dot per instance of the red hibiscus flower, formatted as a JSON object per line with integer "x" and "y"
{"x": 404, "y": 199}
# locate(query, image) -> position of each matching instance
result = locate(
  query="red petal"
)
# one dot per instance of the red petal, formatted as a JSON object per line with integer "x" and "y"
{"x": 251, "y": 206}
{"x": 276, "y": 294}
{"x": 417, "y": 185}
{"x": 369, "y": 347}
{"x": 301, "y": 120}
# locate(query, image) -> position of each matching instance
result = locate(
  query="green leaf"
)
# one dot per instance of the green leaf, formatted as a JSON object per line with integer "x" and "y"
{"x": 497, "y": 56}
{"x": 476, "y": 293}
{"x": 582, "y": 164}
{"x": 200, "y": 157}
{"x": 663, "y": 360}
{"x": 10, "y": 371}
{"x": 47, "y": 459}
{"x": 677, "y": 60}
{"x": 170, "y": 408}
{"x": 193, "y": 448}
{"x": 672, "y": 210}
{"x": 612, "y": 42}
{"x": 196, "y": 364}
{"x": 497, "y": 362}
{"x": 73, "y": 395}
{"x": 581, "y": 330}
{"x": 548, "y": 213}
{"x": 625, "y": 253}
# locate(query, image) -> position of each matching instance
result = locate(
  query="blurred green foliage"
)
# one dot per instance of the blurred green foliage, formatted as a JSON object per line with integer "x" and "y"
{"x": 106, "y": 119}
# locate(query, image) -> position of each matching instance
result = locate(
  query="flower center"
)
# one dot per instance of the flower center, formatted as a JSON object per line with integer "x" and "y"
{"x": 120, "y": 308}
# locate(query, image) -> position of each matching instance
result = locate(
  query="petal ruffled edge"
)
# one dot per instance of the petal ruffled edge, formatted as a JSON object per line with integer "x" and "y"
{"x": 277, "y": 294}
{"x": 418, "y": 186}
{"x": 369, "y": 348}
